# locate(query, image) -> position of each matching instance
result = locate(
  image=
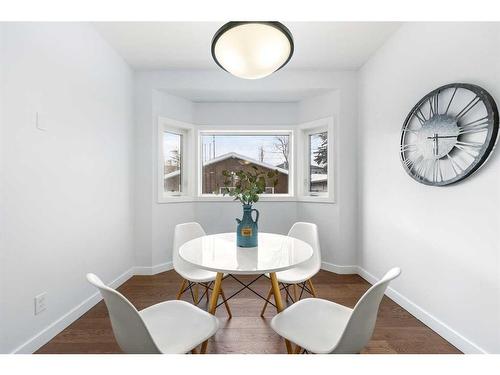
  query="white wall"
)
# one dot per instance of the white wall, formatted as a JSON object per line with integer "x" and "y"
{"x": 155, "y": 222}
{"x": 245, "y": 113}
{"x": 166, "y": 216}
{"x": 337, "y": 223}
{"x": 66, "y": 202}
{"x": 3, "y": 279}
{"x": 445, "y": 239}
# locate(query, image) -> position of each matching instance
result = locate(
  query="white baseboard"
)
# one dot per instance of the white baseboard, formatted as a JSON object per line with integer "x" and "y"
{"x": 145, "y": 270}
{"x": 49, "y": 332}
{"x": 442, "y": 329}
{"x": 343, "y": 270}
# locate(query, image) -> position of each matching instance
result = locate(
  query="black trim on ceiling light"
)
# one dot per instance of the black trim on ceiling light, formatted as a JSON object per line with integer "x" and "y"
{"x": 230, "y": 25}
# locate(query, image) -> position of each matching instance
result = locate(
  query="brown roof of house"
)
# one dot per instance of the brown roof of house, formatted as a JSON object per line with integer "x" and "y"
{"x": 235, "y": 155}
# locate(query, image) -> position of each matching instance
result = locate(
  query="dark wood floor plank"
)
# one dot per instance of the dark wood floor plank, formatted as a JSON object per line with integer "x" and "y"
{"x": 396, "y": 330}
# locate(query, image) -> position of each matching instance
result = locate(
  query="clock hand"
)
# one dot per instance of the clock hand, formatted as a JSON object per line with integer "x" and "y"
{"x": 435, "y": 144}
{"x": 435, "y": 139}
{"x": 442, "y": 136}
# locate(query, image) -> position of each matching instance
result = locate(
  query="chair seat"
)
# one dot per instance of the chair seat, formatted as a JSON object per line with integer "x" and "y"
{"x": 196, "y": 275}
{"x": 178, "y": 326}
{"x": 312, "y": 323}
{"x": 295, "y": 275}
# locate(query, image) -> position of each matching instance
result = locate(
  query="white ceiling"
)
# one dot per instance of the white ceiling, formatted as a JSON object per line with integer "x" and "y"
{"x": 227, "y": 96}
{"x": 186, "y": 45}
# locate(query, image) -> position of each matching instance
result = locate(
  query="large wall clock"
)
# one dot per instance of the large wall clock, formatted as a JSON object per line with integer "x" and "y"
{"x": 449, "y": 134}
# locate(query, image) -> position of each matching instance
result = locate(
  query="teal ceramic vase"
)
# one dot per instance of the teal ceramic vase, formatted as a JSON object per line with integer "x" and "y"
{"x": 247, "y": 230}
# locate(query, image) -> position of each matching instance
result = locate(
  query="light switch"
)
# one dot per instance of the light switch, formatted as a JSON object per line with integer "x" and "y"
{"x": 40, "y": 303}
{"x": 39, "y": 122}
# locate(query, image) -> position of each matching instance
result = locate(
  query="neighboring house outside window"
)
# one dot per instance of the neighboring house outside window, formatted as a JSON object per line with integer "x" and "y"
{"x": 244, "y": 151}
{"x": 213, "y": 181}
{"x": 172, "y": 180}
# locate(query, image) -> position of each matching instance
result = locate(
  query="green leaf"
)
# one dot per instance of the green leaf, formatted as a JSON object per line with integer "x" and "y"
{"x": 248, "y": 183}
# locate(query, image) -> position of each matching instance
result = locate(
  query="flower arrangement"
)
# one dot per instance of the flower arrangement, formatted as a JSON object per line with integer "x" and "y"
{"x": 246, "y": 185}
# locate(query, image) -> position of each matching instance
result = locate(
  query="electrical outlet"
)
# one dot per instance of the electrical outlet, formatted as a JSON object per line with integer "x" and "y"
{"x": 40, "y": 303}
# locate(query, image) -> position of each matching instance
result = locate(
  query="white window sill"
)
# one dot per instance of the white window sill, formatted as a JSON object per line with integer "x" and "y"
{"x": 275, "y": 198}
{"x": 207, "y": 198}
{"x": 316, "y": 199}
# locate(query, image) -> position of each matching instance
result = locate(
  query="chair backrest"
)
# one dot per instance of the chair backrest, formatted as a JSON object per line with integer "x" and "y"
{"x": 182, "y": 234}
{"x": 360, "y": 327}
{"x": 130, "y": 330}
{"x": 308, "y": 232}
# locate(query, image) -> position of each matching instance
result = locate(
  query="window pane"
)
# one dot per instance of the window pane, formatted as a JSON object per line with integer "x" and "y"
{"x": 172, "y": 151}
{"x": 244, "y": 152}
{"x": 318, "y": 162}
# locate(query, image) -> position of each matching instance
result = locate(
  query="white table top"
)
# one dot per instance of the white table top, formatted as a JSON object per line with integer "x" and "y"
{"x": 219, "y": 253}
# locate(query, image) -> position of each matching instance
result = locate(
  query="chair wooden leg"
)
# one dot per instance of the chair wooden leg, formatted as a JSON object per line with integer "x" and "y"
{"x": 295, "y": 299}
{"x": 213, "y": 304}
{"x": 279, "y": 303}
{"x": 267, "y": 301}
{"x": 206, "y": 292}
{"x": 225, "y": 303}
{"x": 183, "y": 285}
{"x": 196, "y": 293}
{"x": 310, "y": 283}
{"x": 215, "y": 293}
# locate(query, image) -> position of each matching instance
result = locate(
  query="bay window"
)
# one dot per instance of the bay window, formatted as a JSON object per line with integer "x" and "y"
{"x": 192, "y": 159}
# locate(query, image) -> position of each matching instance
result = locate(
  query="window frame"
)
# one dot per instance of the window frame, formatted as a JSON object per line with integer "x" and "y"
{"x": 303, "y": 179}
{"x": 241, "y": 131}
{"x": 182, "y": 136}
{"x": 191, "y": 161}
{"x": 185, "y": 130}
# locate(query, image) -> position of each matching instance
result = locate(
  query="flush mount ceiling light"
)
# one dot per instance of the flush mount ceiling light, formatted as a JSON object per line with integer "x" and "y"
{"x": 252, "y": 50}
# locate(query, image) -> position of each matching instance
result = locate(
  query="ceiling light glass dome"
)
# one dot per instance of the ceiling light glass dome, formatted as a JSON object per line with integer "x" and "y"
{"x": 252, "y": 50}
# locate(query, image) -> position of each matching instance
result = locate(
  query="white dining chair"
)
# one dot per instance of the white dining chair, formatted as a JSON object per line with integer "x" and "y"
{"x": 192, "y": 276}
{"x": 168, "y": 327}
{"x": 301, "y": 275}
{"x": 319, "y": 326}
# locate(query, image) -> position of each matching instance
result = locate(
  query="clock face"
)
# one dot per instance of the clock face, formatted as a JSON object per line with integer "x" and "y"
{"x": 449, "y": 134}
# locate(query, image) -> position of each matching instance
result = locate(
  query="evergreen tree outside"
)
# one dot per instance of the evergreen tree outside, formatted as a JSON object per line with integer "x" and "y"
{"x": 321, "y": 154}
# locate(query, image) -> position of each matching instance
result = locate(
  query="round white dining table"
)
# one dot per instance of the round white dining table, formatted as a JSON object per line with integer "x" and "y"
{"x": 219, "y": 253}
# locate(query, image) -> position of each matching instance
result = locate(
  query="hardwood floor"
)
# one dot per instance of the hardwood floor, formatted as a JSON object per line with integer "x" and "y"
{"x": 396, "y": 330}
